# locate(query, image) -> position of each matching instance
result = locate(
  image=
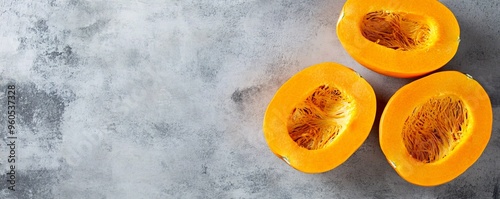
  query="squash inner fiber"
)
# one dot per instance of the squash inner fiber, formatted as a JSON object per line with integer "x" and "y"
{"x": 435, "y": 128}
{"x": 399, "y": 31}
{"x": 320, "y": 118}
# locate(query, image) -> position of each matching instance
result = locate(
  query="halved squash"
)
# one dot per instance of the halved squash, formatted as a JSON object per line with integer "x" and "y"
{"x": 319, "y": 117}
{"x": 399, "y": 38}
{"x": 433, "y": 129}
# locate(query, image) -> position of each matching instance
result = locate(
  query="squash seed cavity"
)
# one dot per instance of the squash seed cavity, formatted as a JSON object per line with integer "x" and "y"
{"x": 320, "y": 118}
{"x": 435, "y": 128}
{"x": 399, "y": 31}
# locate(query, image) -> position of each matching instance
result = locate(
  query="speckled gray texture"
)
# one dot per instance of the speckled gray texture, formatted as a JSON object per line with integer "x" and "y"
{"x": 165, "y": 99}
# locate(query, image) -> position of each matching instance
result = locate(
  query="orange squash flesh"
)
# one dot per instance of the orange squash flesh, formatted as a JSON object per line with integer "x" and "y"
{"x": 319, "y": 117}
{"x": 433, "y": 129}
{"x": 399, "y": 38}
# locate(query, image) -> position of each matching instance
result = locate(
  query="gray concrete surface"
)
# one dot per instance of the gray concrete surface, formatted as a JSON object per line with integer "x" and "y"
{"x": 165, "y": 99}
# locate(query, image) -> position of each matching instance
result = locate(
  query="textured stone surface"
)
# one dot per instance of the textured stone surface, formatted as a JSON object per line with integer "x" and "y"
{"x": 165, "y": 99}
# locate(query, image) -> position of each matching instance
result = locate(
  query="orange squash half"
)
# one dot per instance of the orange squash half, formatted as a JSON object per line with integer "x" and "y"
{"x": 319, "y": 117}
{"x": 433, "y": 129}
{"x": 399, "y": 38}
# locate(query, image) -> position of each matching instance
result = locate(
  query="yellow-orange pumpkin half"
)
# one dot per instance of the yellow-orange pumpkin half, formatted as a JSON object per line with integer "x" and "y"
{"x": 320, "y": 117}
{"x": 433, "y": 129}
{"x": 399, "y": 38}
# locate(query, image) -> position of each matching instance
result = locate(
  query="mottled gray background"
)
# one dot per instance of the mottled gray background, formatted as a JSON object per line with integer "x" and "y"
{"x": 165, "y": 99}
